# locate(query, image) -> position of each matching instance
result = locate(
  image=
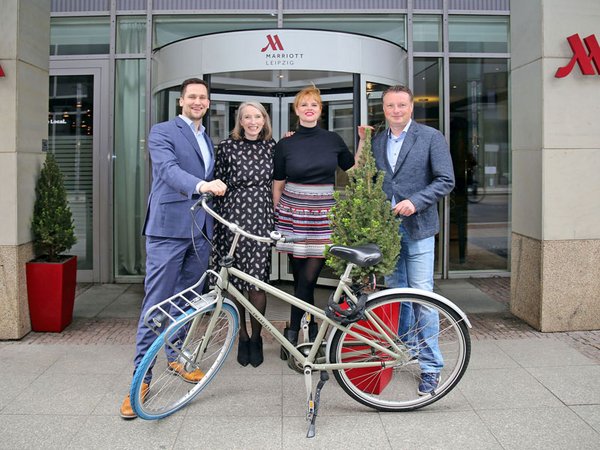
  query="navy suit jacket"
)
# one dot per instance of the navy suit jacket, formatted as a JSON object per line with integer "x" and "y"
{"x": 423, "y": 174}
{"x": 177, "y": 167}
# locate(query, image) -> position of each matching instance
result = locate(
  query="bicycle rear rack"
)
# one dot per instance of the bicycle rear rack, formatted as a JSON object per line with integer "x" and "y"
{"x": 178, "y": 307}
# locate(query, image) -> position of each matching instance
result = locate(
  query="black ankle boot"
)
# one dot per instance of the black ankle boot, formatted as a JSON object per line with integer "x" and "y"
{"x": 243, "y": 356}
{"x": 313, "y": 330}
{"x": 291, "y": 336}
{"x": 256, "y": 352}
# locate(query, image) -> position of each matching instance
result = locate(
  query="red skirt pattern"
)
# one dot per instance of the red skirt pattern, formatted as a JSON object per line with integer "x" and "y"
{"x": 303, "y": 211}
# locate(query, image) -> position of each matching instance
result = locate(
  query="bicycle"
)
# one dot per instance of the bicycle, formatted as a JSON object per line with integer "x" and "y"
{"x": 363, "y": 349}
{"x": 475, "y": 187}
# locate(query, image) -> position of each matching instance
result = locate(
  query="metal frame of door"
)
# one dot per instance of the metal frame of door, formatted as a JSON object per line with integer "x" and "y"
{"x": 102, "y": 212}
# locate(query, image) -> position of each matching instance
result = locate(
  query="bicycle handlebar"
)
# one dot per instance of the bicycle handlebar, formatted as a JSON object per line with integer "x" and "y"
{"x": 274, "y": 236}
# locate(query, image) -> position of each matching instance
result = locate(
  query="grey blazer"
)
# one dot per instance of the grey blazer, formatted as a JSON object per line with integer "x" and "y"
{"x": 177, "y": 167}
{"x": 423, "y": 174}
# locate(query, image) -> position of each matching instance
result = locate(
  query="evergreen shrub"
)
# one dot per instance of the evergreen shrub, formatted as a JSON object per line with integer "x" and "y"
{"x": 363, "y": 214}
{"x": 52, "y": 224}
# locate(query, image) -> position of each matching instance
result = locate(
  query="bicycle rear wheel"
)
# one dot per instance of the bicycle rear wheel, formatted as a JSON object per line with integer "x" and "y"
{"x": 169, "y": 391}
{"x": 393, "y": 386}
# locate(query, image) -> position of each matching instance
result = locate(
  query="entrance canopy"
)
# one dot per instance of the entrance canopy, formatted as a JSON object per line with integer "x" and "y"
{"x": 278, "y": 50}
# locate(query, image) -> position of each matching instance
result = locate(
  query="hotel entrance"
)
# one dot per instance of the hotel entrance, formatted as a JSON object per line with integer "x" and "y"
{"x": 291, "y": 62}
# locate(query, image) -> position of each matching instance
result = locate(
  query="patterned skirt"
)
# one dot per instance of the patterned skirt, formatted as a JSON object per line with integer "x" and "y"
{"x": 303, "y": 211}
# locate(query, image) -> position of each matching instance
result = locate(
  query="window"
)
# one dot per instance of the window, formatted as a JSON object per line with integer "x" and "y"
{"x": 131, "y": 35}
{"x": 427, "y": 90}
{"x": 79, "y": 36}
{"x": 427, "y": 33}
{"x": 478, "y": 34}
{"x": 390, "y": 27}
{"x": 173, "y": 28}
{"x": 479, "y": 143}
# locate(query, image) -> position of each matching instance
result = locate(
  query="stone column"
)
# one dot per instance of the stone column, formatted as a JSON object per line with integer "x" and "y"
{"x": 24, "y": 44}
{"x": 555, "y": 123}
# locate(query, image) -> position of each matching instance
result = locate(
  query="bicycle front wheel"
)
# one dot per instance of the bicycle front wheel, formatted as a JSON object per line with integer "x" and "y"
{"x": 431, "y": 336}
{"x": 170, "y": 390}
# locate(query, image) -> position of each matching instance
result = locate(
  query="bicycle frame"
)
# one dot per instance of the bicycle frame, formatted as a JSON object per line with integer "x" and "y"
{"x": 372, "y": 342}
{"x": 395, "y": 351}
{"x": 309, "y": 361}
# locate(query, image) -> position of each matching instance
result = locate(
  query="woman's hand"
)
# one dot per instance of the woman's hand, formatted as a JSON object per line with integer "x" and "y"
{"x": 362, "y": 131}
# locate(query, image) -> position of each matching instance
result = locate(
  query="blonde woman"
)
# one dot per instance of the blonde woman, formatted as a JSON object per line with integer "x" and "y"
{"x": 245, "y": 161}
{"x": 303, "y": 183}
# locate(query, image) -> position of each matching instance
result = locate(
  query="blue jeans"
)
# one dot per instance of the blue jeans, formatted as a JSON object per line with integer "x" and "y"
{"x": 419, "y": 326}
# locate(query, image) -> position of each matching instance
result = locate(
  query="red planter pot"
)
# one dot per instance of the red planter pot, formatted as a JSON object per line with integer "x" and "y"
{"x": 51, "y": 294}
{"x": 371, "y": 379}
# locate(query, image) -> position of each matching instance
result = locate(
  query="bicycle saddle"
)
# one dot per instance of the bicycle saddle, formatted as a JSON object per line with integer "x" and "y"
{"x": 366, "y": 255}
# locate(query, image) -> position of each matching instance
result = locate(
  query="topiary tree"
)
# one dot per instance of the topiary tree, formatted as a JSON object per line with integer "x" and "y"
{"x": 52, "y": 223}
{"x": 363, "y": 214}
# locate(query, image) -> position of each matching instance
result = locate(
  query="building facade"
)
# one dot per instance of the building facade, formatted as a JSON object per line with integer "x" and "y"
{"x": 114, "y": 68}
{"x": 107, "y": 55}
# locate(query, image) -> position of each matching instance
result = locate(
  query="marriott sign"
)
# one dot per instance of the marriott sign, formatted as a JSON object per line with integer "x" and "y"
{"x": 587, "y": 57}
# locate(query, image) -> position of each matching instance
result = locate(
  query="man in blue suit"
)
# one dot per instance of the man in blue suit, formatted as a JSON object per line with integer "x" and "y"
{"x": 418, "y": 173}
{"x": 182, "y": 168}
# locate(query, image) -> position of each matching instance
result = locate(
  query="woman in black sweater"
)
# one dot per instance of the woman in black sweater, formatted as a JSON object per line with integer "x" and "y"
{"x": 303, "y": 184}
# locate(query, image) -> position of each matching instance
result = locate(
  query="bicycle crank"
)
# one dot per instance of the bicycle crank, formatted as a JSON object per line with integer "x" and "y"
{"x": 304, "y": 348}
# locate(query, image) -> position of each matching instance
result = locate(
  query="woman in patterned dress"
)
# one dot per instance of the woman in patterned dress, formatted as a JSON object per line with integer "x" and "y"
{"x": 244, "y": 162}
{"x": 303, "y": 183}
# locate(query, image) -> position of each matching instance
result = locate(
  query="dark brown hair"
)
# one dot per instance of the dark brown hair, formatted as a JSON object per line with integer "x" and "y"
{"x": 189, "y": 81}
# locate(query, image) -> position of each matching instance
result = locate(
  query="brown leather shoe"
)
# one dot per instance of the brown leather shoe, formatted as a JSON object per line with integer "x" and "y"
{"x": 190, "y": 377}
{"x": 126, "y": 409}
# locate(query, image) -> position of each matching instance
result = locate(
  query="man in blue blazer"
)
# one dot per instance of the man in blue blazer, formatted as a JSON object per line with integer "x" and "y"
{"x": 182, "y": 168}
{"x": 418, "y": 173}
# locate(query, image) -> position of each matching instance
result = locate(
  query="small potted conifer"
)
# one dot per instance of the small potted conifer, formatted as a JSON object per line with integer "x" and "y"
{"x": 362, "y": 215}
{"x": 51, "y": 276}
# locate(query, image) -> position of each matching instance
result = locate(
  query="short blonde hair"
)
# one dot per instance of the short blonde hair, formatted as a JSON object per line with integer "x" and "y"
{"x": 238, "y": 131}
{"x": 309, "y": 91}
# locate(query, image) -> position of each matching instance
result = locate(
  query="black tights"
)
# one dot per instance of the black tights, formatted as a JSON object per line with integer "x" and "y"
{"x": 306, "y": 271}
{"x": 259, "y": 301}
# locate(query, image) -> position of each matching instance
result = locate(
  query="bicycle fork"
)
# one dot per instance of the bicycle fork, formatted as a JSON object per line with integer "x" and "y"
{"x": 313, "y": 401}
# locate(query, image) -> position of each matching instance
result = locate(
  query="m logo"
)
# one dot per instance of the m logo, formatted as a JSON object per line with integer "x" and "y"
{"x": 1, "y": 72}
{"x": 584, "y": 58}
{"x": 273, "y": 42}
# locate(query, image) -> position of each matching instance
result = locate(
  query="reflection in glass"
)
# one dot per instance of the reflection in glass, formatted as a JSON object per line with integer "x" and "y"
{"x": 427, "y": 89}
{"x": 173, "y": 28}
{"x": 478, "y": 34}
{"x": 390, "y": 27}
{"x": 130, "y": 167}
{"x": 375, "y": 117}
{"x": 70, "y": 139}
{"x": 479, "y": 215}
{"x": 131, "y": 34}
{"x": 79, "y": 35}
{"x": 427, "y": 32}
{"x": 428, "y": 110}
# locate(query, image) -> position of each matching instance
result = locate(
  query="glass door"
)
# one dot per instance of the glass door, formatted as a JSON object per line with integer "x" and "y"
{"x": 74, "y": 137}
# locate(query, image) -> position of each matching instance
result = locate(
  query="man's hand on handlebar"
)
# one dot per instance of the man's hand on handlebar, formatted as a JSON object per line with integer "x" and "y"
{"x": 215, "y": 187}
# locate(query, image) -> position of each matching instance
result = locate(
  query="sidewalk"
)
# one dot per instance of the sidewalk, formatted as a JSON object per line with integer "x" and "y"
{"x": 523, "y": 389}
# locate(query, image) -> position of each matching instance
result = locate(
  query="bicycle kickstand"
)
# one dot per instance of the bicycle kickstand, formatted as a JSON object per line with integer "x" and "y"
{"x": 313, "y": 405}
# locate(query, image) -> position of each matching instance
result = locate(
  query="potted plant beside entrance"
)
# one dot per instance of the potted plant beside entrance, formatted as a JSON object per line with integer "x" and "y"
{"x": 51, "y": 276}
